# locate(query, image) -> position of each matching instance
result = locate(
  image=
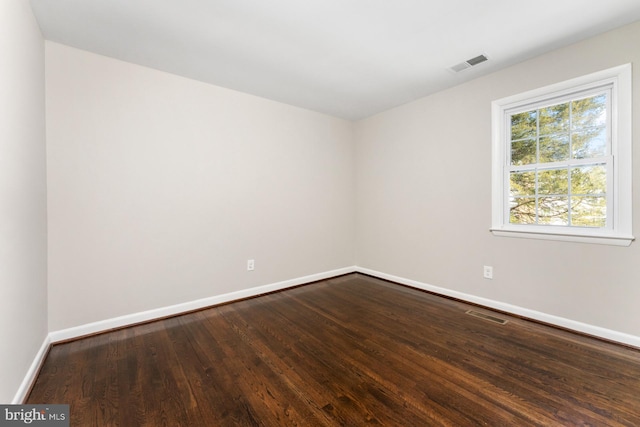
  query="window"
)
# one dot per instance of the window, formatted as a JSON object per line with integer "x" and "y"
{"x": 562, "y": 161}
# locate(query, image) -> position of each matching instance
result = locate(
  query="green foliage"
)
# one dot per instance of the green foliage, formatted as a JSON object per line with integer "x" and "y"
{"x": 552, "y": 192}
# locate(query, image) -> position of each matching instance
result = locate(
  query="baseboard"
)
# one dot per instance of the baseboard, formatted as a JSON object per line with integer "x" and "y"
{"x": 159, "y": 313}
{"x": 573, "y": 325}
{"x": 30, "y": 377}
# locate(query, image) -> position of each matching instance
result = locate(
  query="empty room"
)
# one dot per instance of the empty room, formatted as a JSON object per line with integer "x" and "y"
{"x": 238, "y": 213}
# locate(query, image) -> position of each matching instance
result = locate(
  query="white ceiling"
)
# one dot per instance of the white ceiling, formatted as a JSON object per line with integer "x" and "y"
{"x": 347, "y": 58}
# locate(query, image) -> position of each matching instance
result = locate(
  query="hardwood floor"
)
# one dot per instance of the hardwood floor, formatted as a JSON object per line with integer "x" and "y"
{"x": 347, "y": 351}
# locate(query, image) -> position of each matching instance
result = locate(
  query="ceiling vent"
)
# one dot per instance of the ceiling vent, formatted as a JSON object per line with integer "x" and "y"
{"x": 469, "y": 63}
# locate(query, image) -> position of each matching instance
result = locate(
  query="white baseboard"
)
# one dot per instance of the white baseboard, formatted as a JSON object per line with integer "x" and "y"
{"x": 158, "y": 313}
{"x": 573, "y": 325}
{"x": 21, "y": 395}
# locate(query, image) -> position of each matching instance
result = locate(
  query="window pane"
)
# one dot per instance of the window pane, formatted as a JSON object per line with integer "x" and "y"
{"x": 523, "y": 125}
{"x": 589, "y": 143}
{"x": 589, "y": 180}
{"x": 589, "y": 112}
{"x": 553, "y": 210}
{"x": 562, "y": 160}
{"x": 554, "y": 148}
{"x": 523, "y": 152}
{"x": 522, "y": 210}
{"x": 554, "y": 181}
{"x": 554, "y": 119}
{"x": 522, "y": 183}
{"x": 589, "y": 211}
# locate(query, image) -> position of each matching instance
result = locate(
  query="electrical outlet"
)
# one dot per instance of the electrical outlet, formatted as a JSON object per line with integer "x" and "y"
{"x": 488, "y": 272}
{"x": 251, "y": 265}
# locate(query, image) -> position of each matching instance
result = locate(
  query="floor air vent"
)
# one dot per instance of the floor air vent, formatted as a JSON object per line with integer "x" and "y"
{"x": 486, "y": 317}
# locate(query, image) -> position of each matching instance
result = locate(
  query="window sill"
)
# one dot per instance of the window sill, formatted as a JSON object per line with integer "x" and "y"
{"x": 612, "y": 240}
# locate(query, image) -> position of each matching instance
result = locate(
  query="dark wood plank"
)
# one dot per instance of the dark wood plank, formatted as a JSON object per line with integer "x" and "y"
{"x": 349, "y": 351}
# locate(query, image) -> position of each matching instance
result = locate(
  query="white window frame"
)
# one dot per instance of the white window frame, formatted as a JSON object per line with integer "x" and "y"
{"x": 619, "y": 177}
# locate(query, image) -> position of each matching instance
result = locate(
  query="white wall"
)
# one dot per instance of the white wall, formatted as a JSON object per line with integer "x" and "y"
{"x": 23, "y": 235}
{"x": 161, "y": 188}
{"x": 424, "y": 199}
